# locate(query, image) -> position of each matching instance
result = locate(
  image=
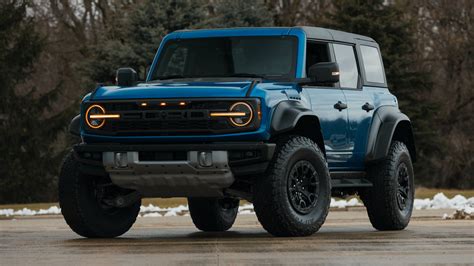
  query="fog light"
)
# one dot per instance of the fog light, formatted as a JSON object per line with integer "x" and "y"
{"x": 205, "y": 159}
{"x": 121, "y": 159}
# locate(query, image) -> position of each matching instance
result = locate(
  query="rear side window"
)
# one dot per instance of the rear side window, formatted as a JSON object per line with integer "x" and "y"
{"x": 345, "y": 57}
{"x": 372, "y": 64}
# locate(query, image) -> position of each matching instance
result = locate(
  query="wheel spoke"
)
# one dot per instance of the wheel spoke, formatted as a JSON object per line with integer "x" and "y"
{"x": 402, "y": 191}
{"x": 303, "y": 186}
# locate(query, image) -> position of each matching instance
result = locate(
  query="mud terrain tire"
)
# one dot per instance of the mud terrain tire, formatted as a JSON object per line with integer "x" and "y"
{"x": 213, "y": 214}
{"x": 389, "y": 202}
{"x": 81, "y": 209}
{"x": 297, "y": 173}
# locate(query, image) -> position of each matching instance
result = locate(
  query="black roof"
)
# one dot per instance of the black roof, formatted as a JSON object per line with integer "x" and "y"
{"x": 333, "y": 35}
{"x": 311, "y": 33}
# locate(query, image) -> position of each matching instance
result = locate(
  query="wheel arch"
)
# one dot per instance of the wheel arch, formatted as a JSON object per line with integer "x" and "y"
{"x": 291, "y": 117}
{"x": 389, "y": 124}
{"x": 75, "y": 126}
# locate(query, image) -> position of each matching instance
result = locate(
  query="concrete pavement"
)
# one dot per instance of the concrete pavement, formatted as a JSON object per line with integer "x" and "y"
{"x": 346, "y": 238}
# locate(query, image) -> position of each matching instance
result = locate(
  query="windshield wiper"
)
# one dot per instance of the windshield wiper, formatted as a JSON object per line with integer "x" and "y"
{"x": 246, "y": 75}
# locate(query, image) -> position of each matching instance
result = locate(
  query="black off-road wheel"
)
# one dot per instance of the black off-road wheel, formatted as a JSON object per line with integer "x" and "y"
{"x": 85, "y": 203}
{"x": 293, "y": 198}
{"x": 389, "y": 202}
{"x": 213, "y": 214}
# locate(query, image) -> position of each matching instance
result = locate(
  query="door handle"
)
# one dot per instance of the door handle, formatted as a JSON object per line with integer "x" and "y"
{"x": 368, "y": 107}
{"x": 340, "y": 106}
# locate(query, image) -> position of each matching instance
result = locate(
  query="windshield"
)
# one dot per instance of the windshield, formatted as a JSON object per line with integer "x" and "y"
{"x": 269, "y": 57}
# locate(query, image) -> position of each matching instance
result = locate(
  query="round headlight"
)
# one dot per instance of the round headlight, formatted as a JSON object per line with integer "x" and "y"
{"x": 241, "y": 107}
{"x": 92, "y": 111}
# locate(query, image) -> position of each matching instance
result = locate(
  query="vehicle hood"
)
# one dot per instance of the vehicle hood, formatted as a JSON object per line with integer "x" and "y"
{"x": 174, "y": 90}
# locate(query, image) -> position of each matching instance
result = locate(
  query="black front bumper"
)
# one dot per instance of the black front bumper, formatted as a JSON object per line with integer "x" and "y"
{"x": 245, "y": 158}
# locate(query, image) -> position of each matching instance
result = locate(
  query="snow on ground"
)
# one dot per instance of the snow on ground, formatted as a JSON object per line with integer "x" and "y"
{"x": 28, "y": 212}
{"x": 439, "y": 201}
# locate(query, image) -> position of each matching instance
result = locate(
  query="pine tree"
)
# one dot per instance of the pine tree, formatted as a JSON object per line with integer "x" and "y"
{"x": 28, "y": 164}
{"x": 137, "y": 37}
{"x": 240, "y": 13}
{"x": 394, "y": 32}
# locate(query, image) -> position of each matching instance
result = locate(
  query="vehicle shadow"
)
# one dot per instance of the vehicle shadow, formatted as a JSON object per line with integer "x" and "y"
{"x": 169, "y": 235}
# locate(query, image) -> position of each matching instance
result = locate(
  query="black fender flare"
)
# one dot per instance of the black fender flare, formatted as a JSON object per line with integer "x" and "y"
{"x": 385, "y": 122}
{"x": 75, "y": 126}
{"x": 292, "y": 115}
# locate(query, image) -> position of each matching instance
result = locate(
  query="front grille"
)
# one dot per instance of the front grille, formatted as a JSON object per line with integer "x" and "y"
{"x": 171, "y": 119}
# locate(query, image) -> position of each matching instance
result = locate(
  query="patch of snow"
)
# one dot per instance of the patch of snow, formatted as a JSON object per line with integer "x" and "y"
{"x": 344, "y": 203}
{"x": 469, "y": 210}
{"x": 28, "y": 212}
{"x": 152, "y": 214}
{"x": 439, "y": 201}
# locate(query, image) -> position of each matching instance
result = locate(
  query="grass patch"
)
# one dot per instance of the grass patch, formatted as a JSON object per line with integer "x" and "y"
{"x": 420, "y": 193}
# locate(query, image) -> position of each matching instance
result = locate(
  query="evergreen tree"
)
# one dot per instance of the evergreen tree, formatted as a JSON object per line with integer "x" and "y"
{"x": 240, "y": 13}
{"x": 28, "y": 164}
{"x": 394, "y": 32}
{"x": 139, "y": 34}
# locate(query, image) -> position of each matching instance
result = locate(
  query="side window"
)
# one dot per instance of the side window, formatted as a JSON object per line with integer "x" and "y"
{"x": 372, "y": 64}
{"x": 317, "y": 52}
{"x": 346, "y": 59}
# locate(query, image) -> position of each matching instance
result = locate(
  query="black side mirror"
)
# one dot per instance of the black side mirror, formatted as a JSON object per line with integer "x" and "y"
{"x": 126, "y": 77}
{"x": 324, "y": 73}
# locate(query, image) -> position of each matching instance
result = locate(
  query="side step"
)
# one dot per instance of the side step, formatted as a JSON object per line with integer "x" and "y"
{"x": 349, "y": 179}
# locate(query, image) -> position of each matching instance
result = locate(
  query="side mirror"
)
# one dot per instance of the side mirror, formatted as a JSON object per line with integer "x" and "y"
{"x": 324, "y": 73}
{"x": 126, "y": 77}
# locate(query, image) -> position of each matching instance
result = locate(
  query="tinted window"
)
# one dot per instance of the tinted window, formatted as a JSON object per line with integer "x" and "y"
{"x": 272, "y": 57}
{"x": 176, "y": 61}
{"x": 372, "y": 64}
{"x": 316, "y": 53}
{"x": 345, "y": 57}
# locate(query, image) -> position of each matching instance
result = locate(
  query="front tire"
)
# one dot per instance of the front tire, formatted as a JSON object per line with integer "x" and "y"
{"x": 213, "y": 214}
{"x": 82, "y": 199}
{"x": 389, "y": 202}
{"x": 293, "y": 198}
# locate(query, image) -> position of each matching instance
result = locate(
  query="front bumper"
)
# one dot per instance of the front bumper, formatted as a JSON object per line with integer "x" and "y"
{"x": 172, "y": 170}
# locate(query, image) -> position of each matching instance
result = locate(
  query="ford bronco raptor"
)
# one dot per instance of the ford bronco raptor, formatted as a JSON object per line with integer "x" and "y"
{"x": 281, "y": 117}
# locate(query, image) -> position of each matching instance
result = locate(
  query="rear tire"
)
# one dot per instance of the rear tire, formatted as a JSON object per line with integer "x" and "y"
{"x": 389, "y": 202}
{"x": 293, "y": 198}
{"x": 81, "y": 202}
{"x": 213, "y": 214}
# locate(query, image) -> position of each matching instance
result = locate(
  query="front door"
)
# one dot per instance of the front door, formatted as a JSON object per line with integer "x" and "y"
{"x": 329, "y": 104}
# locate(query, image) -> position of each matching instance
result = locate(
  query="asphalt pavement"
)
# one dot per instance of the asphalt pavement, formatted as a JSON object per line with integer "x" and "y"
{"x": 346, "y": 238}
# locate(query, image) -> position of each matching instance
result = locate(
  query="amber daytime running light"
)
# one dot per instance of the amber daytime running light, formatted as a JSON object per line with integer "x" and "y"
{"x": 240, "y": 114}
{"x": 96, "y": 116}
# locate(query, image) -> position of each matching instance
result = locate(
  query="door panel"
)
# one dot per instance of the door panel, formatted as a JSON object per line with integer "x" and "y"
{"x": 359, "y": 124}
{"x": 333, "y": 124}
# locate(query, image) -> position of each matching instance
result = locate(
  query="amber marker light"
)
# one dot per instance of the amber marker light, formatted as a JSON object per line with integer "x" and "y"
{"x": 182, "y": 103}
{"x": 163, "y": 104}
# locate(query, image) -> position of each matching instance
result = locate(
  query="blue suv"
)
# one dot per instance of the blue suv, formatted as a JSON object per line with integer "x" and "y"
{"x": 281, "y": 117}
